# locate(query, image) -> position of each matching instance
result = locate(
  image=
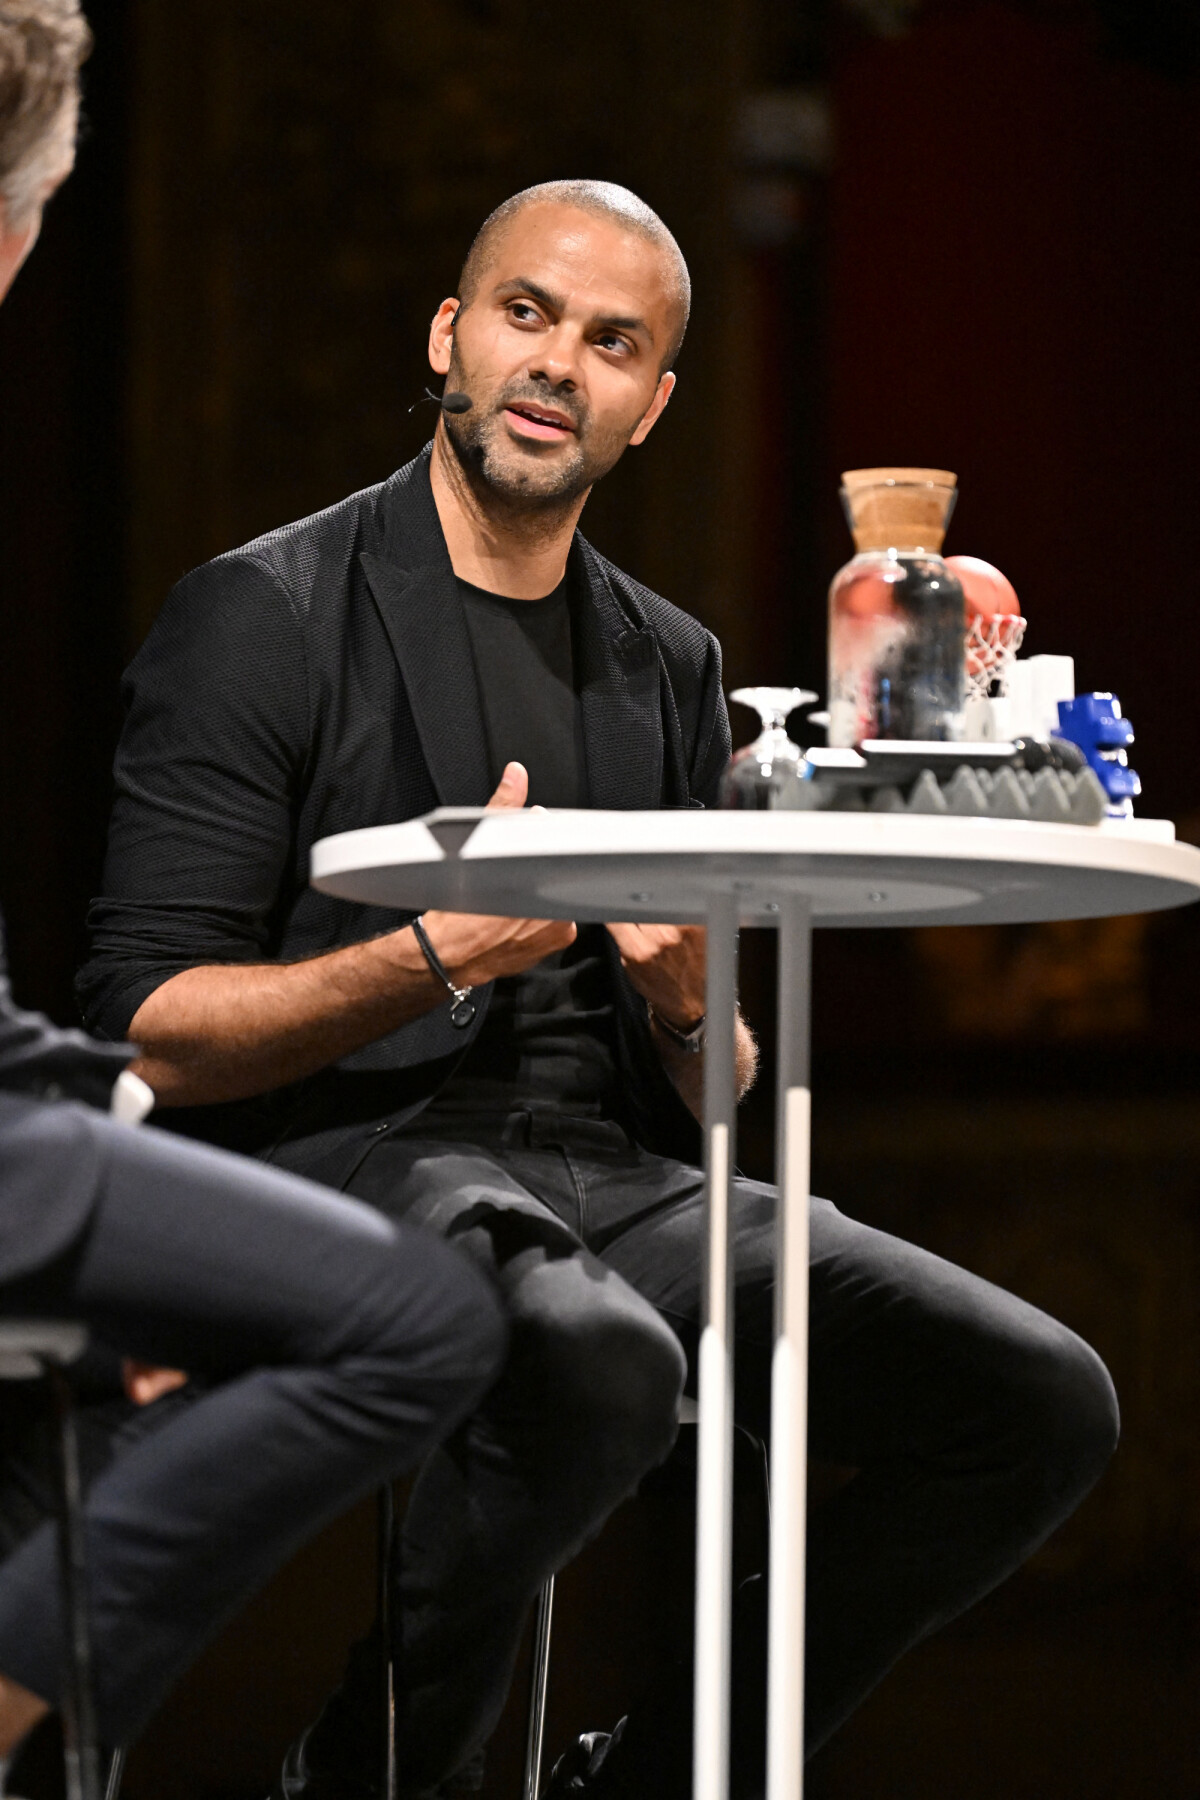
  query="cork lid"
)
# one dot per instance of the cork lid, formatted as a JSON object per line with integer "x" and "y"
{"x": 900, "y": 509}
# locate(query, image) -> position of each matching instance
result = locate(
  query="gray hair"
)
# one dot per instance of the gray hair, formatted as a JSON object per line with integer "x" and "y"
{"x": 42, "y": 44}
{"x": 605, "y": 200}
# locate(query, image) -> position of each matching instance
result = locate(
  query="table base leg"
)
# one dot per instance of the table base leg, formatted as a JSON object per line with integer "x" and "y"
{"x": 714, "y": 1481}
{"x": 789, "y": 1367}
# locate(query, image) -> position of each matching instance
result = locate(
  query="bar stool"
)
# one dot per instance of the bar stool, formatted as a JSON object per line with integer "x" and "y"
{"x": 387, "y": 1552}
{"x": 42, "y": 1348}
{"x": 540, "y": 1679}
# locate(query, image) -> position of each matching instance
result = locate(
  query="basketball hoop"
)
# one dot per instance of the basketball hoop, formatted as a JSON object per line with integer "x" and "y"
{"x": 991, "y": 644}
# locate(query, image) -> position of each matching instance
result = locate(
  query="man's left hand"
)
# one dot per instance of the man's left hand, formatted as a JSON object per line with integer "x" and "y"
{"x": 666, "y": 965}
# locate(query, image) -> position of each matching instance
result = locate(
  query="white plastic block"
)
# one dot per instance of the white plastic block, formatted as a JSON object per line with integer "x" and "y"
{"x": 987, "y": 719}
{"x": 1036, "y": 684}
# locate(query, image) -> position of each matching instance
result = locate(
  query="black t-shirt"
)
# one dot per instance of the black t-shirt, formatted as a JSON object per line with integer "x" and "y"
{"x": 531, "y": 711}
{"x": 547, "y": 1041}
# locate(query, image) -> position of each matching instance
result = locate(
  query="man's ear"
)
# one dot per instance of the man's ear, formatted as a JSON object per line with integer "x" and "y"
{"x": 662, "y": 394}
{"x": 441, "y": 337}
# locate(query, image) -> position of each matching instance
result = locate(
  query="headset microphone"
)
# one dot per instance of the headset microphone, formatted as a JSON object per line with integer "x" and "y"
{"x": 451, "y": 403}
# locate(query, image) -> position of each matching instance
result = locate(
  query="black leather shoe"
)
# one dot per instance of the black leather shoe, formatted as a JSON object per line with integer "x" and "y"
{"x": 298, "y": 1780}
{"x": 590, "y": 1767}
{"x": 649, "y": 1754}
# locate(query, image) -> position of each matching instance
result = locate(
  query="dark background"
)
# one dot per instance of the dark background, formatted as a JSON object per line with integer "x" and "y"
{"x": 956, "y": 233}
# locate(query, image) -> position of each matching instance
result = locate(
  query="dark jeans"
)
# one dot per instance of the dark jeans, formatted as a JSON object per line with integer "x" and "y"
{"x": 343, "y": 1346}
{"x": 975, "y": 1423}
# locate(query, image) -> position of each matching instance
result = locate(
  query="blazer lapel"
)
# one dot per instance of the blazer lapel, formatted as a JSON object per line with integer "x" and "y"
{"x": 414, "y": 588}
{"x": 617, "y": 663}
{"x": 617, "y": 668}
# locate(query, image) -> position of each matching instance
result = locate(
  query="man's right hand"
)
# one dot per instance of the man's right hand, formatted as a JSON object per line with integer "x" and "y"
{"x": 475, "y": 947}
{"x": 218, "y": 1032}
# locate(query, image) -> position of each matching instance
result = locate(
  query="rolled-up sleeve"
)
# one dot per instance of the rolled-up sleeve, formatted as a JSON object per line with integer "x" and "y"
{"x": 207, "y": 772}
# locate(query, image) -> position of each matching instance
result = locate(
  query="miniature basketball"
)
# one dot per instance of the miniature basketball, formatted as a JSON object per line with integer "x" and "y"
{"x": 867, "y": 596}
{"x": 987, "y": 592}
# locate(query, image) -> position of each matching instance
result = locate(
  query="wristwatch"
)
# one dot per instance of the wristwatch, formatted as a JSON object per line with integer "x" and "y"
{"x": 692, "y": 1041}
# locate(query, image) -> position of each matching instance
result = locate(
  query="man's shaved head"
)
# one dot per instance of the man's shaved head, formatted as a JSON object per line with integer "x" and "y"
{"x": 572, "y": 304}
{"x": 604, "y": 200}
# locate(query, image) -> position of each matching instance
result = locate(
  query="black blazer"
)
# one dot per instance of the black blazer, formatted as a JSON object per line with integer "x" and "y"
{"x": 320, "y": 679}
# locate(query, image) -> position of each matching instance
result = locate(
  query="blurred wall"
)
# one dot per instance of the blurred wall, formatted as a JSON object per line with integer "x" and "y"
{"x": 1012, "y": 295}
{"x": 303, "y": 199}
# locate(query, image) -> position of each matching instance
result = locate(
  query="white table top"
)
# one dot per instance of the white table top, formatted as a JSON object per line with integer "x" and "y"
{"x": 856, "y": 868}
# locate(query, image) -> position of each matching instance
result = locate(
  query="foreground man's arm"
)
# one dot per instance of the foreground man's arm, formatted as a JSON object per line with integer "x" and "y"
{"x": 218, "y": 1033}
{"x": 666, "y": 964}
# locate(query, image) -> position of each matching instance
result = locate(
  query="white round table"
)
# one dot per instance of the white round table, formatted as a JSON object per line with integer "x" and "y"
{"x": 793, "y": 871}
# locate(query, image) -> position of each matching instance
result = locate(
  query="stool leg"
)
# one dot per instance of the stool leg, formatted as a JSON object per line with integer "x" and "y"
{"x": 764, "y": 1457}
{"x": 78, "y": 1707}
{"x": 386, "y": 1527}
{"x": 537, "y": 1692}
{"x": 116, "y": 1772}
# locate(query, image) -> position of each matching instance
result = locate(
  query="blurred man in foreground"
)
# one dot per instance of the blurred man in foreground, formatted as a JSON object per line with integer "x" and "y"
{"x": 343, "y": 1346}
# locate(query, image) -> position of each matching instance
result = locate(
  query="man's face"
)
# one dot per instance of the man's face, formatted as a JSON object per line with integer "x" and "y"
{"x": 53, "y": 164}
{"x": 560, "y": 350}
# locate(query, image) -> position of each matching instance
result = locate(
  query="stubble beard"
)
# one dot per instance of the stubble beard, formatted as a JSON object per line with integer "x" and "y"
{"x": 517, "y": 482}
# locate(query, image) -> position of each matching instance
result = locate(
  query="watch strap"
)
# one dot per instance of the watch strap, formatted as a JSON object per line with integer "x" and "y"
{"x": 692, "y": 1041}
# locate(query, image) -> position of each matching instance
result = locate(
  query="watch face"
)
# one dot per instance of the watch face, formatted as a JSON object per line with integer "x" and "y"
{"x": 692, "y": 1040}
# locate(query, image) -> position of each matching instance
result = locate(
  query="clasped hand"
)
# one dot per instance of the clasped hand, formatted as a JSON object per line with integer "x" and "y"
{"x": 665, "y": 963}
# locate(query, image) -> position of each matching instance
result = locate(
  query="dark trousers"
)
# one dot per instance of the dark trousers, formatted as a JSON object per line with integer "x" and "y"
{"x": 975, "y": 1423}
{"x": 343, "y": 1347}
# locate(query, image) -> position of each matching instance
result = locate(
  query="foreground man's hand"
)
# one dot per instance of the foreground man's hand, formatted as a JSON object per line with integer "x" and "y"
{"x": 145, "y": 1383}
{"x": 20, "y": 1711}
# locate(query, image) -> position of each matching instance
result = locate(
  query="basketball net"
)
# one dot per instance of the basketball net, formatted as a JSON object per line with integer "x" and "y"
{"x": 991, "y": 645}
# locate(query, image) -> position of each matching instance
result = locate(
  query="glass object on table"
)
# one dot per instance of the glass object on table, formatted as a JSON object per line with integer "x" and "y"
{"x": 896, "y": 613}
{"x": 772, "y": 774}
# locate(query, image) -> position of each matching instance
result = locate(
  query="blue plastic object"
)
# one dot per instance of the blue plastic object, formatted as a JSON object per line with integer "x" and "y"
{"x": 1096, "y": 723}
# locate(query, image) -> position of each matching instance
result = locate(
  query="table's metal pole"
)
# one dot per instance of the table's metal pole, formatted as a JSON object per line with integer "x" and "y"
{"x": 789, "y": 1368}
{"x": 714, "y": 1481}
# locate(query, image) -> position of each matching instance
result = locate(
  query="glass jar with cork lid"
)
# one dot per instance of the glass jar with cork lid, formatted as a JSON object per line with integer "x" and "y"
{"x": 896, "y": 613}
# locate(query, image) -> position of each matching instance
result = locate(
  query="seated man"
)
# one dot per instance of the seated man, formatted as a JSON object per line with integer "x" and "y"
{"x": 345, "y": 1346}
{"x": 427, "y": 641}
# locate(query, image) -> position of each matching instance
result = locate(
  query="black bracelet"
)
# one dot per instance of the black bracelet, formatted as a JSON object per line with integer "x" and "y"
{"x": 692, "y": 1041}
{"x": 463, "y": 1010}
